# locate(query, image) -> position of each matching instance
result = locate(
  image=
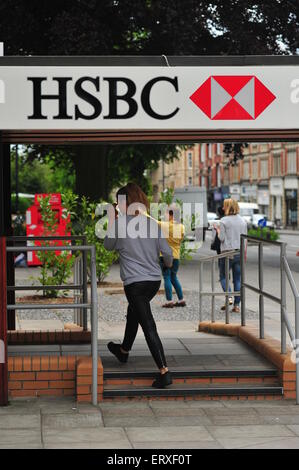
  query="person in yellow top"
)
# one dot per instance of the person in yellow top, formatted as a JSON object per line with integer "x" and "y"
{"x": 174, "y": 232}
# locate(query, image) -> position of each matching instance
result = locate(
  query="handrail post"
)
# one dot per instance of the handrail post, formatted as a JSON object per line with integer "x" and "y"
{"x": 243, "y": 305}
{"x": 261, "y": 288}
{"x": 213, "y": 289}
{"x": 3, "y": 325}
{"x": 227, "y": 290}
{"x": 85, "y": 289}
{"x": 94, "y": 326}
{"x": 200, "y": 290}
{"x": 283, "y": 299}
{"x": 296, "y": 346}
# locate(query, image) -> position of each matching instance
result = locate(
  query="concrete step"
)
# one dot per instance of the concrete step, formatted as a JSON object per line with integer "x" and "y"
{"x": 193, "y": 390}
{"x": 192, "y": 374}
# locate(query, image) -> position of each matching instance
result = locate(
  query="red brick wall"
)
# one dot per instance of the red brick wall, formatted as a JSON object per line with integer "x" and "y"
{"x": 35, "y": 376}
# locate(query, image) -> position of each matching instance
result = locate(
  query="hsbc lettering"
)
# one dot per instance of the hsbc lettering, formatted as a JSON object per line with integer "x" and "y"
{"x": 40, "y": 95}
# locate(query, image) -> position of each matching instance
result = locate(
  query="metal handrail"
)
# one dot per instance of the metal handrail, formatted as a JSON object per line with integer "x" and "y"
{"x": 80, "y": 318}
{"x": 93, "y": 305}
{"x": 285, "y": 275}
{"x": 207, "y": 259}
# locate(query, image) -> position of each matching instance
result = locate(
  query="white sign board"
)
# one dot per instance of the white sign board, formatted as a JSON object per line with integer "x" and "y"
{"x": 136, "y": 98}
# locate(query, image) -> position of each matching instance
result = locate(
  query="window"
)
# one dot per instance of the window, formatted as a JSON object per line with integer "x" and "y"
{"x": 210, "y": 150}
{"x": 292, "y": 167}
{"x": 218, "y": 175}
{"x": 254, "y": 170}
{"x": 190, "y": 180}
{"x": 276, "y": 164}
{"x": 226, "y": 176}
{"x": 245, "y": 170}
{"x": 203, "y": 152}
{"x": 236, "y": 174}
{"x": 190, "y": 160}
{"x": 264, "y": 168}
{"x": 218, "y": 149}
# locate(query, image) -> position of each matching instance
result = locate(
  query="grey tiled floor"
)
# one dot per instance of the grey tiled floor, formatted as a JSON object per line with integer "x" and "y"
{"x": 204, "y": 352}
{"x": 61, "y": 423}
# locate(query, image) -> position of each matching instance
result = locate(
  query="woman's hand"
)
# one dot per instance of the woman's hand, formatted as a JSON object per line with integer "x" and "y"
{"x": 112, "y": 214}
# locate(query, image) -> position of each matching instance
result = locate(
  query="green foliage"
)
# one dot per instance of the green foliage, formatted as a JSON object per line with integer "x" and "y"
{"x": 23, "y": 204}
{"x": 265, "y": 233}
{"x": 83, "y": 221}
{"x": 55, "y": 269}
{"x": 166, "y": 197}
{"x": 46, "y": 174}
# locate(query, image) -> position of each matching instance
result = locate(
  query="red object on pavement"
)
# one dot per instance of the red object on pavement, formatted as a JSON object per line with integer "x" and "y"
{"x": 35, "y": 226}
{"x": 3, "y": 326}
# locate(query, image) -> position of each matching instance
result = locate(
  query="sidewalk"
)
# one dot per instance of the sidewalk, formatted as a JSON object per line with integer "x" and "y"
{"x": 61, "y": 423}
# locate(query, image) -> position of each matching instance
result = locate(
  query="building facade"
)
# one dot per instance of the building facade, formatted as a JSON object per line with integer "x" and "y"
{"x": 268, "y": 175}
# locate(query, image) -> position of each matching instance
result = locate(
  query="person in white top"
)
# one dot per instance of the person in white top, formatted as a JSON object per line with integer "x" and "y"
{"x": 231, "y": 227}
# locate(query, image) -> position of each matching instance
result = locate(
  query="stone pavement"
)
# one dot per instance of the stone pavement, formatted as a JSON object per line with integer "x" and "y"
{"x": 61, "y": 423}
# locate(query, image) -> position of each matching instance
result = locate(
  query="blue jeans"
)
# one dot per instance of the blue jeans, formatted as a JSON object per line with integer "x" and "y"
{"x": 170, "y": 279}
{"x": 234, "y": 265}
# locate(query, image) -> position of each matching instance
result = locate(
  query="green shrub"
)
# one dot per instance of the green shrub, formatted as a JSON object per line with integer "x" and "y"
{"x": 265, "y": 233}
{"x": 83, "y": 223}
{"x": 55, "y": 269}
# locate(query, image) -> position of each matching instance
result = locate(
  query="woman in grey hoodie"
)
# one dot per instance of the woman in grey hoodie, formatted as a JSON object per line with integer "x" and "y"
{"x": 139, "y": 241}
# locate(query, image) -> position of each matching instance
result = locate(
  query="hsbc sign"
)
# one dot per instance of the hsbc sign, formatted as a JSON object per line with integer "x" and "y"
{"x": 137, "y": 98}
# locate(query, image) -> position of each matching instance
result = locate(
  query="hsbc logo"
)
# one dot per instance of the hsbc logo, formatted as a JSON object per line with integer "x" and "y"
{"x": 232, "y": 97}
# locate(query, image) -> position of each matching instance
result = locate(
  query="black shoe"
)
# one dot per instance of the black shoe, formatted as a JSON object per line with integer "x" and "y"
{"x": 115, "y": 349}
{"x": 162, "y": 381}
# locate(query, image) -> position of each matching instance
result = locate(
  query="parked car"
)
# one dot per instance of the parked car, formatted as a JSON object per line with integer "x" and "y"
{"x": 212, "y": 219}
{"x": 251, "y": 214}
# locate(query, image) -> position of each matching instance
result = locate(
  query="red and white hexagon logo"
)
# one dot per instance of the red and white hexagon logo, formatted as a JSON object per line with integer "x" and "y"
{"x": 224, "y": 97}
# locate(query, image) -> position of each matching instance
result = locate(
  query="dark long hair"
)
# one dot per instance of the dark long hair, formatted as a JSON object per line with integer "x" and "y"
{"x": 134, "y": 194}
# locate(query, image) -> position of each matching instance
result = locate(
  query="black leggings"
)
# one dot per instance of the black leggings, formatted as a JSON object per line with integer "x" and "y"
{"x": 139, "y": 295}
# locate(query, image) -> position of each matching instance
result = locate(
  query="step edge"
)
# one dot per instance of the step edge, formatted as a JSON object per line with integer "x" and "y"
{"x": 188, "y": 374}
{"x": 195, "y": 391}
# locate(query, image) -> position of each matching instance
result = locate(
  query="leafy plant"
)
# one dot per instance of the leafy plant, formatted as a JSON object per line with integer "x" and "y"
{"x": 265, "y": 233}
{"x": 56, "y": 268}
{"x": 83, "y": 223}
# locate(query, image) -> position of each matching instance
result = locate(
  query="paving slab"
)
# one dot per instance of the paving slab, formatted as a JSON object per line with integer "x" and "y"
{"x": 260, "y": 431}
{"x": 85, "y": 436}
{"x": 126, "y": 409}
{"x": 289, "y": 443}
{"x": 183, "y": 421}
{"x": 179, "y": 411}
{"x": 130, "y": 421}
{"x": 278, "y": 411}
{"x": 20, "y": 438}
{"x": 258, "y": 404}
{"x": 20, "y": 421}
{"x": 280, "y": 419}
{"x": 252, "y": 442}
{"x": 69, "y": 421}
{"x": 173, "y": 433}
{"x": 178, "y": 445}
{"x": 89, "y": 445}
{"x": 294, "y": 429}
